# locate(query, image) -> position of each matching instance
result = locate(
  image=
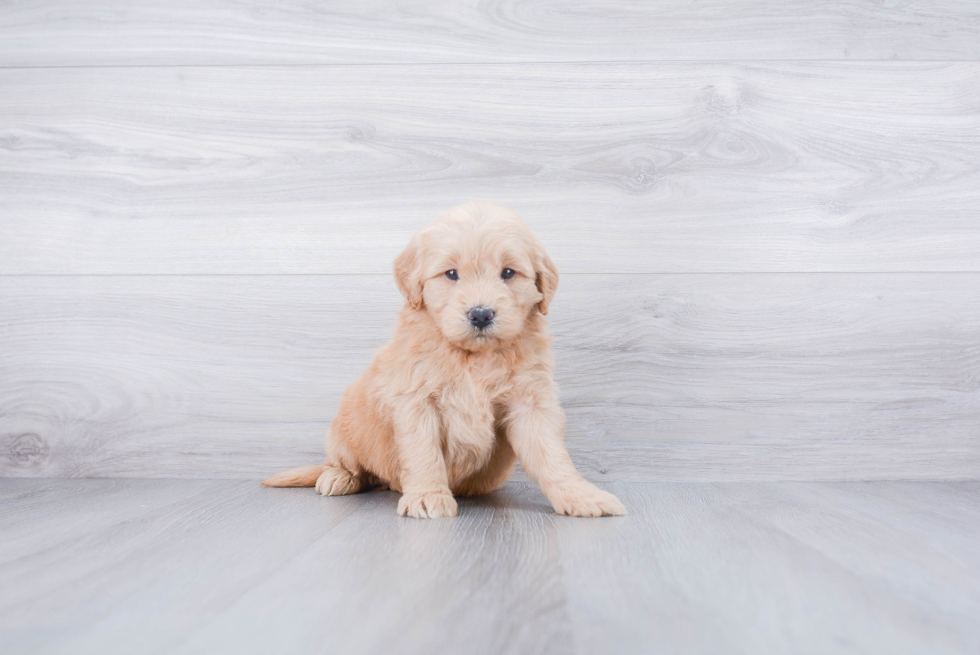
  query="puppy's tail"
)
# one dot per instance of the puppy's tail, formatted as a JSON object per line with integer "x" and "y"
{"x": 304, "y": 476}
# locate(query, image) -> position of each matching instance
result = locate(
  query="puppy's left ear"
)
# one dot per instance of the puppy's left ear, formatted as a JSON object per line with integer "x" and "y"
{"x": 408, "y": 273}
{"x": 545, "y": 277}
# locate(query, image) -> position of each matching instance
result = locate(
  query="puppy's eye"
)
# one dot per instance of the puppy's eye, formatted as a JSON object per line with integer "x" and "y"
{"x": 452, "y": 274}
{"x": 507, "y": 273}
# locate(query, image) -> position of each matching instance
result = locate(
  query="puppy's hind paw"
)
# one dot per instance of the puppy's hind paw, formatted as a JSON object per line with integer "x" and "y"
{"x": 586, "y": 499}
{"x": 432, "y": 505}
{"x": 337, "y": 481}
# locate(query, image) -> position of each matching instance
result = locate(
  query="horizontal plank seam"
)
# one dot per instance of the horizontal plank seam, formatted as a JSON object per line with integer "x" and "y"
{"x": 891, "y": 62}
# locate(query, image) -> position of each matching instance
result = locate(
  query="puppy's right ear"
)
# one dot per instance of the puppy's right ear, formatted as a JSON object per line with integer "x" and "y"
{"x": 546, "y": 278}
{"x": 408, "y": 273}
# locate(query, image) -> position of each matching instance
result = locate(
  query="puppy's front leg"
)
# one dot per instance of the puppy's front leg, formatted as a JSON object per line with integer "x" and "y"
{"x": 535, "y": 429}
{"x": 424, "y": 481}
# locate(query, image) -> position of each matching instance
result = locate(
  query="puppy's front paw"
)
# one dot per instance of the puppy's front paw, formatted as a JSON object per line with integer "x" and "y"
{"x": 585, "y": 499}
{"x": 432, "y": 505}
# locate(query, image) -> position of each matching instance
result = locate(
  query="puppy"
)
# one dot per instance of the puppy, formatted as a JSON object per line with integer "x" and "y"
{"x": 465, "y": 385}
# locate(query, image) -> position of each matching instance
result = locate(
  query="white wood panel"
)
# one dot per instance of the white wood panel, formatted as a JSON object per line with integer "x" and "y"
{"x": 194, "y": 566}
{"x": 632, "y": 168}
{"x": 116, "y": 32}
{"x": 753, "y": 376}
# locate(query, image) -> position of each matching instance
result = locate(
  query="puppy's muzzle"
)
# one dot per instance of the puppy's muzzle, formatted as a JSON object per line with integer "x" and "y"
{"x": 480, "y": 317}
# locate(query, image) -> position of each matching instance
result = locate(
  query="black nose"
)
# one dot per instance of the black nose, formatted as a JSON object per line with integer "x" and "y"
{"x": 480, "y": 317}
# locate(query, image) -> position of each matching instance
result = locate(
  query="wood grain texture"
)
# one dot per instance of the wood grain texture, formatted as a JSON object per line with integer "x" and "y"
{"x": 769, "y": 568}
{"x": 177, "y": 576}
{"x": 631, "y": 168}
{"x": 201, "y": 566}
{"x": 761, "y": 376}
{"x": 118, "y": 33}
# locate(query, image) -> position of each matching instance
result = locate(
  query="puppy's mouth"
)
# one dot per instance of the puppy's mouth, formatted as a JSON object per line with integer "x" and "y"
{"x": 482, "y": 334}
{"x": 474, "y": 337}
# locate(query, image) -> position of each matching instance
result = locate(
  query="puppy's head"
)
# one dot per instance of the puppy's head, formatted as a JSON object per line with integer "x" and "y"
{"x": 479, "y": 272}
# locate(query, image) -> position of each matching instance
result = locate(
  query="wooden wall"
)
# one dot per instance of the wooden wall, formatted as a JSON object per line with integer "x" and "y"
{"x": 766, "y": 216}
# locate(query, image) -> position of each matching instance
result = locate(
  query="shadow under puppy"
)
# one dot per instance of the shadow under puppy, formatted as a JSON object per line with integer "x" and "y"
{"x": 465, "y": 385}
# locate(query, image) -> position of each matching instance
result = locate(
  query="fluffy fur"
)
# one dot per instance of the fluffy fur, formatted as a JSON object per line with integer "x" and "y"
{"x": 445, "y": 408}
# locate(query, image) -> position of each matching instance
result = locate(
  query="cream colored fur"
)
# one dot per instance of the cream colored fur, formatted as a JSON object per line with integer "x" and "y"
{"x": 444, "y": 409}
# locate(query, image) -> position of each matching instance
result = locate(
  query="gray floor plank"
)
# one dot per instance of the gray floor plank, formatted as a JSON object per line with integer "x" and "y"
{"x": 916, "y": 551}
{"x": 631, "y": 168}
{"x": 58, "y": 512}
{"x": 717, "y": 579}
{"x": 178, "y": 562}
{"x": 489, "y": 582}
{"x": 695, "y": 567}
{"x": 843, "y": 376}
{"x": 113, "y": 32}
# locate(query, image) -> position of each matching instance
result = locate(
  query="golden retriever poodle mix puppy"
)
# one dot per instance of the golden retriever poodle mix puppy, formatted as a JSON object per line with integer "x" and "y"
{"x": 465, "y": 385}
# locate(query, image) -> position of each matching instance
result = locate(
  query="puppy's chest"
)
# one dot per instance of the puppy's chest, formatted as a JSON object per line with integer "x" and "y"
{"x": 482, "y": 382}
{"x": 470, "y": 397}
{"x": 469, "y": 404}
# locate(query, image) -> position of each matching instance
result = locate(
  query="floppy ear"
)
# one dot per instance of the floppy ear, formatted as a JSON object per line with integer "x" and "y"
{"x": 408, "y": 273}
{"x": 546, "y": 278}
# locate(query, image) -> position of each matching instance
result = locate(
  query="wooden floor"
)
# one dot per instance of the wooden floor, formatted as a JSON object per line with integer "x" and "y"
{"x": 162, "y": 566}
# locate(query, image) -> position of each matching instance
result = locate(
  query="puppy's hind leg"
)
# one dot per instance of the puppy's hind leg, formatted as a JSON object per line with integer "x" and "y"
{"x": 330, "y": 479}
{"x": 338, "y": 481}
{"x": 342, "y": 474}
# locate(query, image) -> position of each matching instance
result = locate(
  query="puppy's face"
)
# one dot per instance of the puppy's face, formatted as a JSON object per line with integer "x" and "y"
{"x": 479, "y": 272}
